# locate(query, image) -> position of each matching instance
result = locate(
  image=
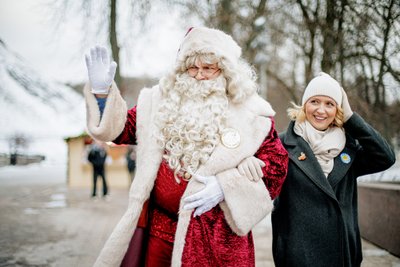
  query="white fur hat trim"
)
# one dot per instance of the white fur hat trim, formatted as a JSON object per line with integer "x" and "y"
{"x": 207, "y": 40}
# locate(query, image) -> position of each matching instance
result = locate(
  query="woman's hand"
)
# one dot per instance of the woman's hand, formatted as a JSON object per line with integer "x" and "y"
{"x": 252, "y": 168}
{"x": 100, "y": 71}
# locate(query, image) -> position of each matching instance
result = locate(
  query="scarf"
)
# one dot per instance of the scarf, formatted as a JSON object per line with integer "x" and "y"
{"x": 326, "y": 145}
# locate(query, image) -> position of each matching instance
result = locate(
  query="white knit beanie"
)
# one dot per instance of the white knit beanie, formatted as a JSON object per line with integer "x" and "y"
{"x": 207, "y": 40}
{"x": 323, "y": 84}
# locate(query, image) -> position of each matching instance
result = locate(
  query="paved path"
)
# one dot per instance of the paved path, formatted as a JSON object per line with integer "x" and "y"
{"x": 43, "y": 223}
{"x": 373, "y": 255}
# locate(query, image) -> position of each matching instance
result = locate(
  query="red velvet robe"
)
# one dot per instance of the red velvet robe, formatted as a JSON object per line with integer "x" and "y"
{"x": 209, "y": 240}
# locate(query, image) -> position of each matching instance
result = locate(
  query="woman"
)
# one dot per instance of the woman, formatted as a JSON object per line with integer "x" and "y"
{"x": 192, "y": 131}
{"x": 314, "y": 220}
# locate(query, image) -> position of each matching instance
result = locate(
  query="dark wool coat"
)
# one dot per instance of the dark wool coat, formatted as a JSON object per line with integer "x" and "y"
{"x": 314, "y": 220}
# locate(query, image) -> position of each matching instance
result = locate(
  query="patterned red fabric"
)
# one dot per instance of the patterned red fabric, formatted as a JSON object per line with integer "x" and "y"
{"x": 158, "y": 253}
{"x": 144, "y": 216}
{"x": 210, "y": 242}
{"x": 165, "y": 199}
{"x": 276, "y": 162}
{"x": 128, "y": 135}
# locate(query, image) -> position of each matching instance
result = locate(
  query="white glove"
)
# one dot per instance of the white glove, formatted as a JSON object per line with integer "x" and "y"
{"x": 252, "y": 168}
{"x": 101, "y": 72}
{"x": 347, "y": 112}
{"x": 207, "y": 198}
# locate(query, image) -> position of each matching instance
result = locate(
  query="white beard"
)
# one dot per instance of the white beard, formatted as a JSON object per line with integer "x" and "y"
{"x": 191, "y": 117}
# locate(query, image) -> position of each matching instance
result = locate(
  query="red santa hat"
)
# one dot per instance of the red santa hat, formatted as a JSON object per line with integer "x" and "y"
{"x": 207, "y": 40}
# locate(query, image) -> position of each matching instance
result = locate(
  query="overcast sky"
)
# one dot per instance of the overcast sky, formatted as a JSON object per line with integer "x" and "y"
{"x": 24, "y": 29}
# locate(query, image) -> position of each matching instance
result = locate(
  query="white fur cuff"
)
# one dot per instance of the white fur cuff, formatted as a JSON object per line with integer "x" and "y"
{"x": 114, "y": 116}
{"x": 246, "y": 202}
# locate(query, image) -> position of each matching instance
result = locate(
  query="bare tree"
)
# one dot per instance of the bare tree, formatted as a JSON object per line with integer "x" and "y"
{"x": 244, "y": 20}
{"x": 100, "y": 19}
{"x": 375, "y": 30}
{"x": 355, "y": 41}
{"x": 370, "y": 60}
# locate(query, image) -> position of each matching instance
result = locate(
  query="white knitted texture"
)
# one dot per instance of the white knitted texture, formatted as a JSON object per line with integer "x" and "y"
{"x": 206, "y": 40}
{"x": 323, "y": 84}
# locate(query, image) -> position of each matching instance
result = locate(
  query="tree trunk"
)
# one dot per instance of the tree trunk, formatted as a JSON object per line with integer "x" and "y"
{"x": 225, "y": 18}
{"x": 380, "y": 86}
{"x": 114, "y": 43}
{"x": 311, "y": 26}
{"x": 329, "y": 40}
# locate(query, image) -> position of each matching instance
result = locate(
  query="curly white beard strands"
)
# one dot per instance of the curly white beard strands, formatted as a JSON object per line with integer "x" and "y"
{"x": 191, "y": 117}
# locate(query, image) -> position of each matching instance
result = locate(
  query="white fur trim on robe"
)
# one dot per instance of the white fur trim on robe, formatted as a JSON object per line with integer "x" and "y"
{"x": 114, "y": 115}
{"x": 238, "y": 195}
{"x": 148, "y": 160}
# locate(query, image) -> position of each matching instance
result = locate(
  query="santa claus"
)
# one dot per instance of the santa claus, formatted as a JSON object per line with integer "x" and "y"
{"x": 201, "y": 134}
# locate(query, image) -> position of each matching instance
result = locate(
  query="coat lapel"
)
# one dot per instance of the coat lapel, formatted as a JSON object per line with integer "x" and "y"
{"x": 295, "y": 146}
{"x": 342, "y": 164}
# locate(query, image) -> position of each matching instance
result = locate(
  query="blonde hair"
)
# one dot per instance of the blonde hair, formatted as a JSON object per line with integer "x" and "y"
{"x": 298, "y": 113}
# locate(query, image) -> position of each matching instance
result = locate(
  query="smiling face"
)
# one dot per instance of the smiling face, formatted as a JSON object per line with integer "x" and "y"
{"x": 320, "y": 111}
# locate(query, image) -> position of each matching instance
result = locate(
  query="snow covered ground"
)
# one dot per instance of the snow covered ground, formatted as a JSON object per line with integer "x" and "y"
{"x": 37, "y": 108}
{"x": 33, "y": 174}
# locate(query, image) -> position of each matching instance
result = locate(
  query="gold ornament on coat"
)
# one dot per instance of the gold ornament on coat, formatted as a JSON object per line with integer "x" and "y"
{"x": 230, "y": 138}
{"x": 302, "y": 156}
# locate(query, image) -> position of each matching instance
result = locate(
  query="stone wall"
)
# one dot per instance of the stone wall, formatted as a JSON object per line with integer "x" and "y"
{"x": 379, "y": 214}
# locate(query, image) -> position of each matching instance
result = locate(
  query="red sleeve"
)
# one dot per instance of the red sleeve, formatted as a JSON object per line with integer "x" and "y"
{"x": 276, "y": 161}
{"x": 128, "y": 135}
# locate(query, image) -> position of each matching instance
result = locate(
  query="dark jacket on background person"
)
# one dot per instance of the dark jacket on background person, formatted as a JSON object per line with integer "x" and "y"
{"x": 315, "y": 221}
{"x": 97, "y": 156}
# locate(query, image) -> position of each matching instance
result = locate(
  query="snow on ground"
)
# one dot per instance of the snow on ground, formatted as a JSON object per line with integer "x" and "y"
{"x": 33, "y": 174}
{"x": 37, "y": 108}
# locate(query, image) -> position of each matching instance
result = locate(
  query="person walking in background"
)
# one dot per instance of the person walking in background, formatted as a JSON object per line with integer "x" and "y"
{"x": 131, "y": 161}
{"x": 97, "y": 157}
{"x": 192, "y": 130}
{"x": 314, "y": 220}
